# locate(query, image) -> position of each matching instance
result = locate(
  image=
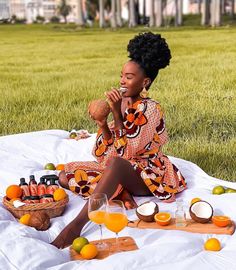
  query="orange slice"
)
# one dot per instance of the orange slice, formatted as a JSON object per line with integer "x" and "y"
{"x": 163, "y": 218}
{"x": 221, "y": 221}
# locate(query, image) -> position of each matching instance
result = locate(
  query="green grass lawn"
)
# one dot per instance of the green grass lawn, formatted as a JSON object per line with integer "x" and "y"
{"x": 48, "y": 75}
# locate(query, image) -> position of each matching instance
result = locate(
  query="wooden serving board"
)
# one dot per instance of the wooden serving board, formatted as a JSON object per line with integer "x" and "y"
{"x": 191, "y": 226}
{"x": 125, "y": 244}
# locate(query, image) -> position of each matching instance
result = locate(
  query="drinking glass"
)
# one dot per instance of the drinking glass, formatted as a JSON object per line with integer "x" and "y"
{"x": 96, "y": 212}
{"x": 116, "y": 219}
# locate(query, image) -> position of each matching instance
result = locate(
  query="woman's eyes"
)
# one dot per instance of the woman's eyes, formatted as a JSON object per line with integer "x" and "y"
{"x": 127, "y": 77}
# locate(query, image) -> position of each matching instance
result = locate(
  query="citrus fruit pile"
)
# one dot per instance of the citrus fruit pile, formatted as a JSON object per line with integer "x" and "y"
{"x": 82, "y": 246}
{"x": 218, "y": 190}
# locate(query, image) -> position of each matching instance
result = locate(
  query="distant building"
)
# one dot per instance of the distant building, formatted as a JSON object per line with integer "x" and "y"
{"x": 30, "y": 9}
{"x": 4, "y": 9}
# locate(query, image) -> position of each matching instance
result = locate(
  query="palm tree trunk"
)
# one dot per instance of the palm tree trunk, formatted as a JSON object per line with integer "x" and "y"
{"x": 205, "y": 12}
{"x": 80, "y": 19}
{"x": 132, "y": 17}
{"x": 232, "y": 8}
{"x": 199, "y": 6}
{"x": 215, "y": 13}
{"x": 118, "y": 13}
{"x": 178, "y": 12}
{"x": 152, "y": 15}
{"x": 159, "y": 15}
{"x": 101, "y": 14}
{"x": 113, "y": 14}
{"x": 144, "y": 12}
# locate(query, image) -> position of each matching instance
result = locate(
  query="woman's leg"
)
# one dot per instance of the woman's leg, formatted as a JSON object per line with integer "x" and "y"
{"x": 119, "y": 171}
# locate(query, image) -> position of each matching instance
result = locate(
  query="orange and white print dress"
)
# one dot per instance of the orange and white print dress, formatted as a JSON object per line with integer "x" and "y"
{"x": 140, "y": 143}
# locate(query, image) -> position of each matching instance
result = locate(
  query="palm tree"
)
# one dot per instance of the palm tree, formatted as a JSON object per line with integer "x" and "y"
{"x": 113, "y": 14}
{"x": 80, "y": 19}
{"x": 232, "y": 8}
{"x": 64, "y": 10}
{"x": 159, "y": 13}
{"x": 179, "y": 11}
{"x": 101, "y": 14}
{"x": 118, "y": 13}
{"x": 216, "y": 13}
{"x": 152, "y": 15}
{"x": 205, "y": 12}
{"x": 132, "y": 17}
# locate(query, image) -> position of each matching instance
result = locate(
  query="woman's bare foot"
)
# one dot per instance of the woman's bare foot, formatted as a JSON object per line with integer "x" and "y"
{"x": 67, "y": 235}
{"x": 127, "y": 199}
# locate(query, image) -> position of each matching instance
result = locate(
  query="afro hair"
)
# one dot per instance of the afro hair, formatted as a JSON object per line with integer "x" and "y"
{"x": 150, "y": 51}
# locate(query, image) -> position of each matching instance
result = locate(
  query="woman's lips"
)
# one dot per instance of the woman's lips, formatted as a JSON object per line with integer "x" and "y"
{"x": 123, "y": 90}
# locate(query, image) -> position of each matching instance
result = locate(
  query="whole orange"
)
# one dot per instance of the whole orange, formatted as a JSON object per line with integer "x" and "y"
{"x": 89, "y": 251}
{"x": 195, "y": 200}
{"x": 13, "y": 191}
{"x": 59, "y": 194}
{"x": 60, "y": 167}
{"x": 212, "y": 244}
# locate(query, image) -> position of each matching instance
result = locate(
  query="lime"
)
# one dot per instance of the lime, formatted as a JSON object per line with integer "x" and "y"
{"x": 79, "y": 243}
{"x": 49, "y": 166}
{"x": 230, "y": 190}
{"x": 73, "y": 135}
{"x": 218, "y": 190}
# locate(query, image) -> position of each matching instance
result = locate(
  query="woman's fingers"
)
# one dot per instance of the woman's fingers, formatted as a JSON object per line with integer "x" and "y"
{"x": 113, "y": 95}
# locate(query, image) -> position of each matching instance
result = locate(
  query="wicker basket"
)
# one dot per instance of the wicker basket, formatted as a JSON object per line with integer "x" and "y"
{"x": 53, "y": 209}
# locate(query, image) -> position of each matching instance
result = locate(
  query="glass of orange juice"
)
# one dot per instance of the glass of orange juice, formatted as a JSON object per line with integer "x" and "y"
{"x": 116, "y": 219}
{"x": 96, "y": 212}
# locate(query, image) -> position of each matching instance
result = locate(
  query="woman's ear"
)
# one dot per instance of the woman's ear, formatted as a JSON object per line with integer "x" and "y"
{"x": 146, "y": 82}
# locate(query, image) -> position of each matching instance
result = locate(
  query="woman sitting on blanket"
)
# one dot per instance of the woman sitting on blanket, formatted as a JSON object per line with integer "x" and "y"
{"x": 128, "y": 150}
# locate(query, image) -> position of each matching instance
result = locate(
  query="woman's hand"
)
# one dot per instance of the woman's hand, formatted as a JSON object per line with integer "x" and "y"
{"x": 101, "y": 123}
{"x": 114, "y": 99}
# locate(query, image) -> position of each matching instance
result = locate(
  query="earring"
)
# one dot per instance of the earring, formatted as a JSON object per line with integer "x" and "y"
{"x": 144, "y": 93}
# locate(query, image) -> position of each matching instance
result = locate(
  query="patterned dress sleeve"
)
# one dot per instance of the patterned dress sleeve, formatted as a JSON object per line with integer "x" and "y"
{"x": 143, "y": 122}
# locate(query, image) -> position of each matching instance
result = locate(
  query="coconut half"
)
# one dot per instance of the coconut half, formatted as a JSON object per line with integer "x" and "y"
{"x": 201, "y": 211}
{"x": 146, "y": 211}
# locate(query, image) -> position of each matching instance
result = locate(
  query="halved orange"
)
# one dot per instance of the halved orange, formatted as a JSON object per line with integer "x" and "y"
{"x": 221, "y": 221}
{"x": 163, "y": 218}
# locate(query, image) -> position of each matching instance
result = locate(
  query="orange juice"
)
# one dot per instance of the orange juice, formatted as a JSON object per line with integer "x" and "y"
{"x": 97, "y": 216}
{"x": 115, "y": 222}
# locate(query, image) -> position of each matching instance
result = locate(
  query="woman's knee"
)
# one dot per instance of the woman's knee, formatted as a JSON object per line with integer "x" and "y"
{"x": 118, "y": 163}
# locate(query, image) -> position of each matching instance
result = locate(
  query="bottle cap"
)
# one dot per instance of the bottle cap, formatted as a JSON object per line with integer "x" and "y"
{"x": 42, "y": 180}
{"x": 32, "y": 177}
{"x": 22, "y": 180}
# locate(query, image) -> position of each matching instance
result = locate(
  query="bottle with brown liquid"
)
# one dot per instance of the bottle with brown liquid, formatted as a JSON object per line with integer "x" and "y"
{"x": 25, "y": 188}
{"x": 52, "y": 186}
{"x": 33, "y": 186}
{"x": 42, "y": 186}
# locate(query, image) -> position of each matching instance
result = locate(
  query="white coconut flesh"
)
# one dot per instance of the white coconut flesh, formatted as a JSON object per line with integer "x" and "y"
{"x": 147, "y": 209}
{"x": 201, "y": 209}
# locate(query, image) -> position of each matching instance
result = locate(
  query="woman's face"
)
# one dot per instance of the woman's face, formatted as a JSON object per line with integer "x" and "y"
{"x": 133, "y": 79}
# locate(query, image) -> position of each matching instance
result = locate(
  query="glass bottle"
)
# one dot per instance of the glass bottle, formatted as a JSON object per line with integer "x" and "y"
{"x": 180, "y": 216}
{"x": 33, "y": 186}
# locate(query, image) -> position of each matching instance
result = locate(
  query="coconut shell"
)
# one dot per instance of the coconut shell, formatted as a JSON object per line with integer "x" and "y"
{"x": 99, "y": 109}
{"x": 40, "y": 221}
{"x": 147, "y": 218}
{"x": 200, "y": 219}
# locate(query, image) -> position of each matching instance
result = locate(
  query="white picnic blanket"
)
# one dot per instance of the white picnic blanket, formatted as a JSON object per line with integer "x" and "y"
{"x": 23, "y": 247}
